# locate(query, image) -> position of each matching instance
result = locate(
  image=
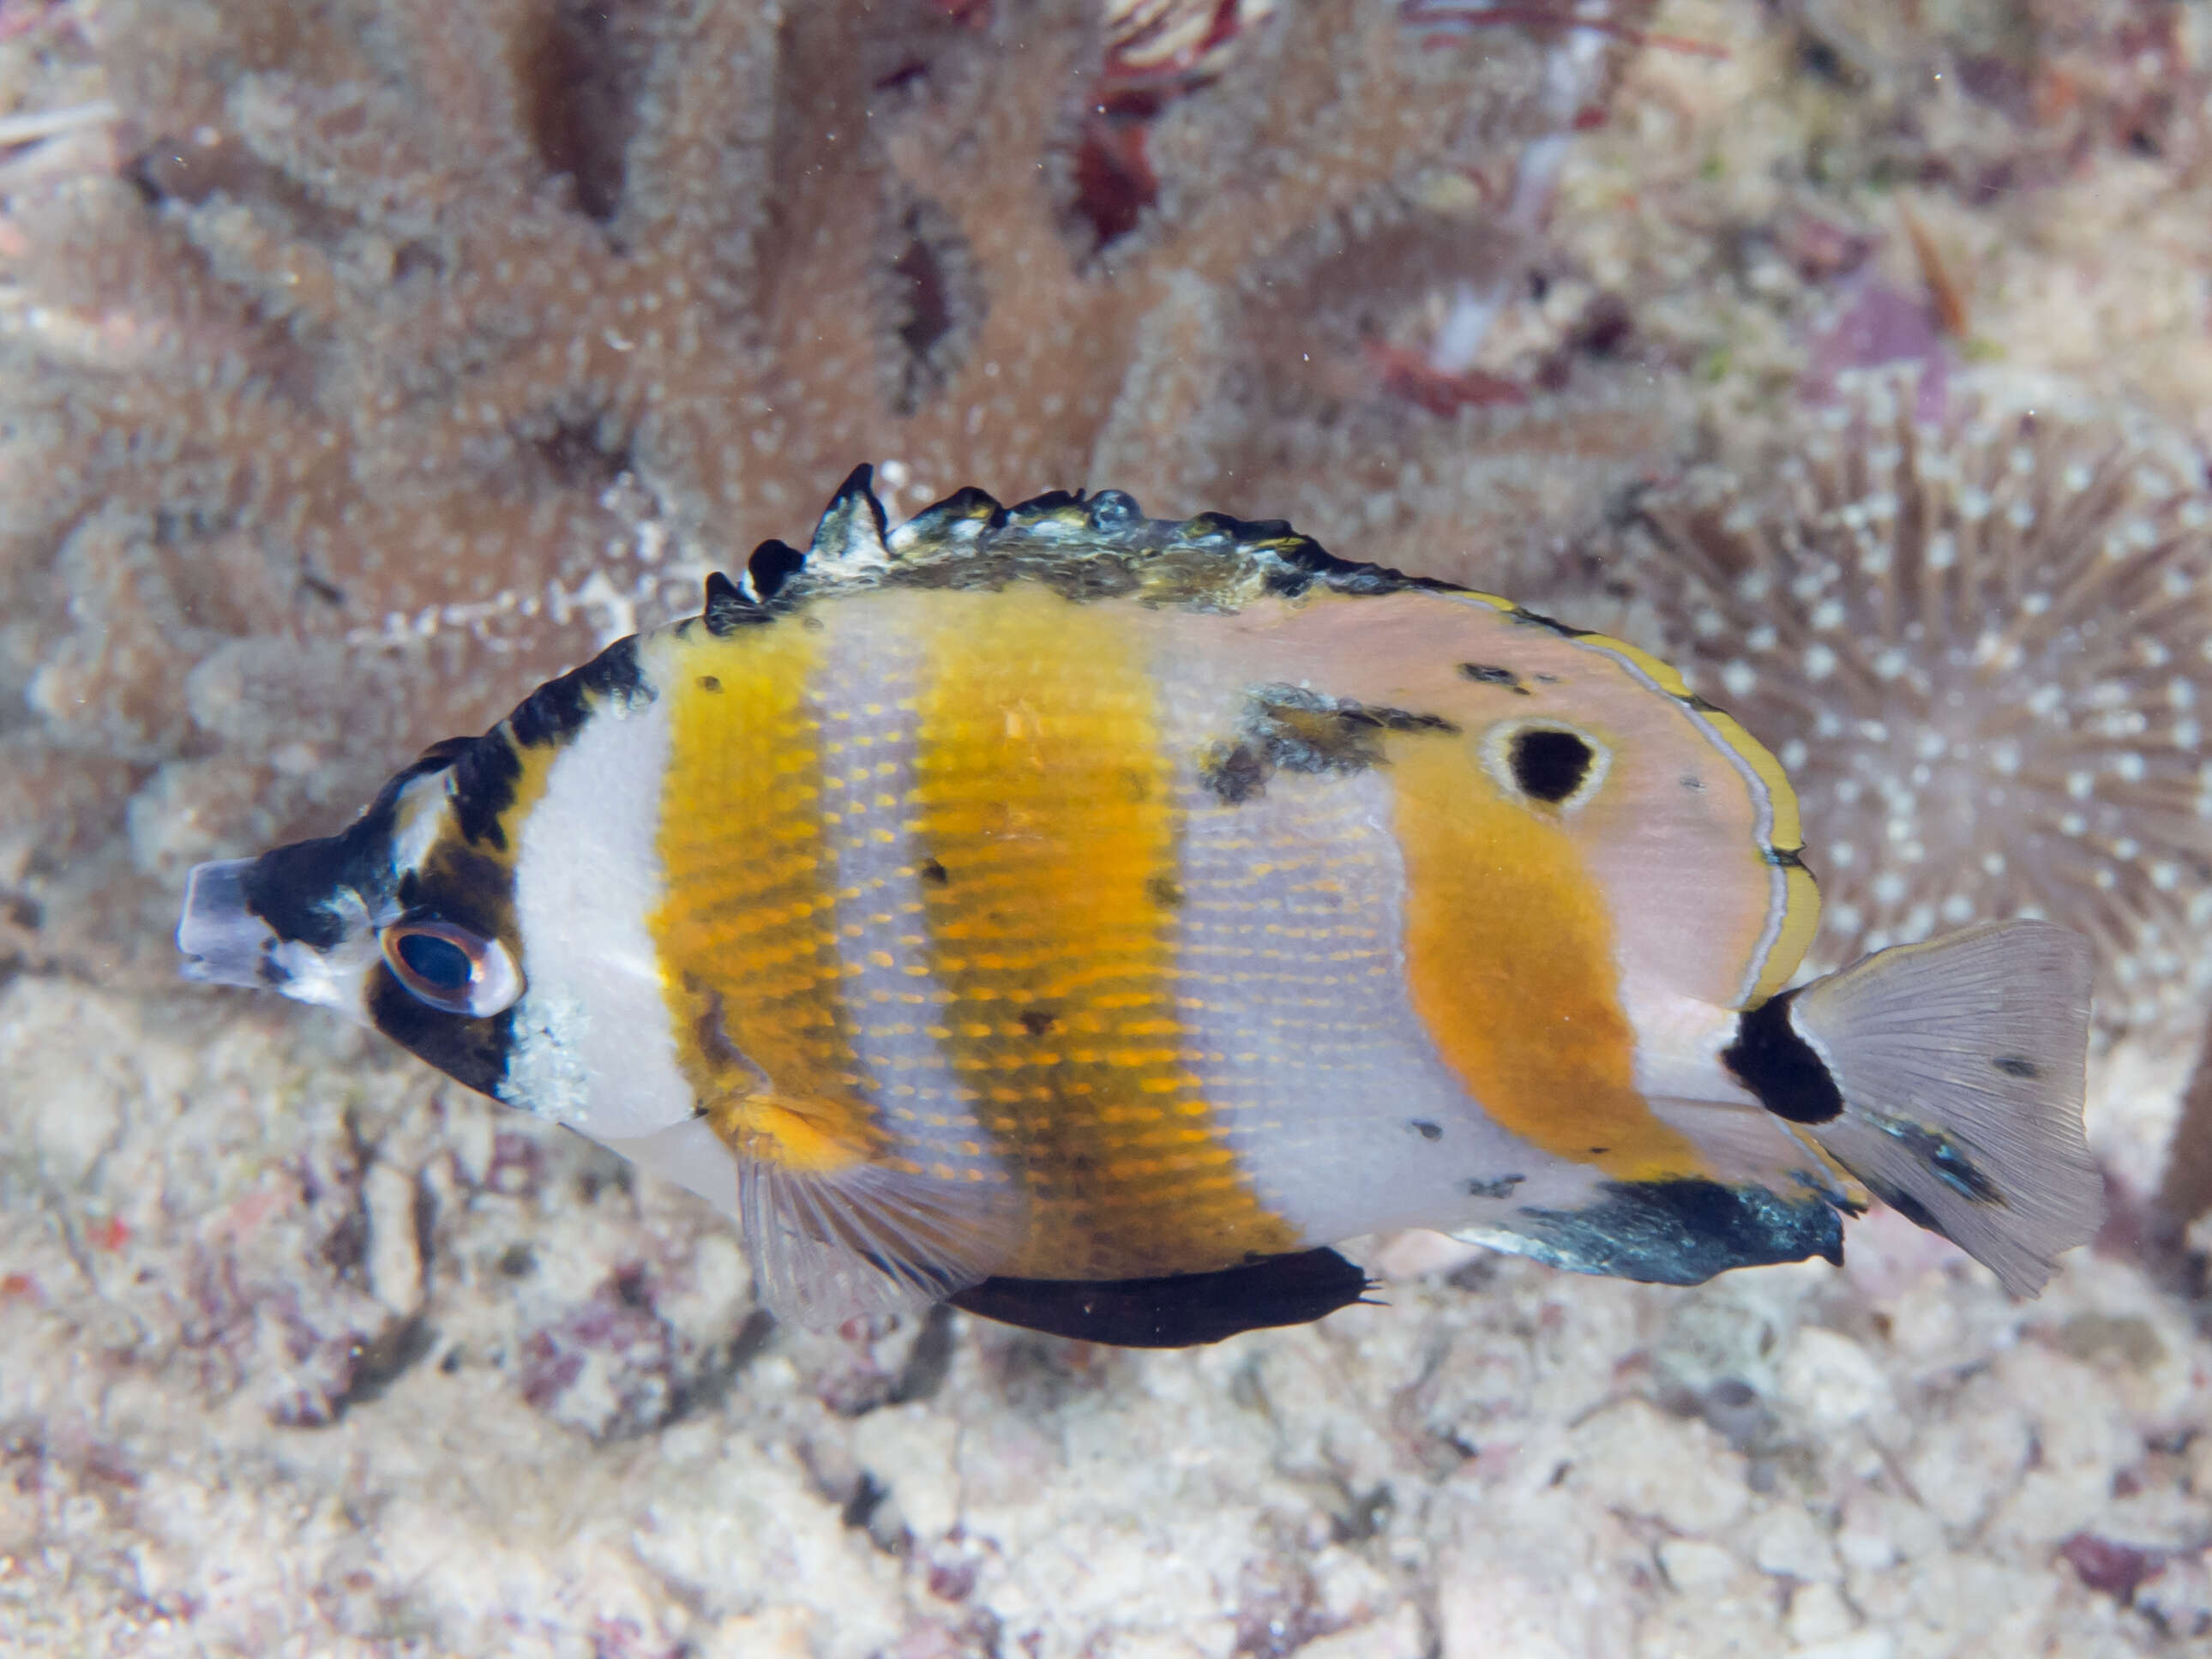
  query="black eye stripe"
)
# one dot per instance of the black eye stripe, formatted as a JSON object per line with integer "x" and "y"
{"x": 1549, "y": 764}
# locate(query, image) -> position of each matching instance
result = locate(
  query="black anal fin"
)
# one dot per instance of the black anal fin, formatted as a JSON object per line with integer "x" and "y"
{"x": 1182, "y": 1311}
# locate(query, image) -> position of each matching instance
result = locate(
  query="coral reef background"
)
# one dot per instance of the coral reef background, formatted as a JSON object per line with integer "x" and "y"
{"x": 363, "y": 361}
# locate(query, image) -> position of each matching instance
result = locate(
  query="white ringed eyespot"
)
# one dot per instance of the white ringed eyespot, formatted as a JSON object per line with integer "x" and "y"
{"x": 1545, "y": 762}
{"x": 452, "y": 968}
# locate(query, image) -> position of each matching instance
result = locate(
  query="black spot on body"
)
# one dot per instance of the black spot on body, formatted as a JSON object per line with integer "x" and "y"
{"x": 1235, "y": 774}
{"x": 1771, "y": 1059}
{"x": 1177, "y": 1312}
{"x": 932, "y": 872}
{"x": 709, "y": 682}
{"x": 1483, "y": 674}
{"x": 1045, "y": 506}
{"x": 1165, "y": 892}
{"x": 1112, "y": 511}
{"x": 1037, "y": 1022}
{"x": 1289, "y": 728}
{"x": 1426, "y": 1130}
{"x": 2017, "y": 1066}
{"x": 1550, "y": 764}
{"x": 1493, "y": 1186}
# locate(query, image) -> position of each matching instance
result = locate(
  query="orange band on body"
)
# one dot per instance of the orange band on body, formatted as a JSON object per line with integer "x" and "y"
{"x": 746, "y": 929}
{"x": 1044, "y": 798}
{"x": 1510, "y": 966}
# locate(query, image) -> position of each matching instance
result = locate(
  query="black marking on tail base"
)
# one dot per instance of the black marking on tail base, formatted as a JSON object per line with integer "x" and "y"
{"x": 1771, "y": 1059}
{"x": 1683, "y": 1232}
{"x": 1183, "y": 1311}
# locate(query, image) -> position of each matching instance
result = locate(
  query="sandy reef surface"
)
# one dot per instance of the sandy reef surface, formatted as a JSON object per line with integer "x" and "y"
{"x": 304, "y": 1350}
{"x": 301, "y": 1351}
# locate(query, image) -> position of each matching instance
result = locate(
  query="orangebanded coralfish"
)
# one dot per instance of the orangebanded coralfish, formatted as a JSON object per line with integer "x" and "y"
{"x": 1092, "y": 918}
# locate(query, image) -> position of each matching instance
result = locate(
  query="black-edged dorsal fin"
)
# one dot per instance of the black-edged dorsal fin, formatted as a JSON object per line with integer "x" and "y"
{"x": 1186, "y": 1310}
{"x": 773, "y": 563}
{"x": 965, "y": 515}
{"x": 851, "y": 533}
{"x": 727, "y": 608}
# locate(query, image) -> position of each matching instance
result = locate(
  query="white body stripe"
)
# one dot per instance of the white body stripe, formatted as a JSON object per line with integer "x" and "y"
{"x": 593, "y": 1047}
{"x": 866, "y": 691}
{"x": 1292, "y": 982}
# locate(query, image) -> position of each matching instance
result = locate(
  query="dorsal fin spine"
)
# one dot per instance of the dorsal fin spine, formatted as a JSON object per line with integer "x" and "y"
{"x": 853, "y": 527}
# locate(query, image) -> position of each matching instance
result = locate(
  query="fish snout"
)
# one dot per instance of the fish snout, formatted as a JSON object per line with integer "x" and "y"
{"x": 223, "y": 942}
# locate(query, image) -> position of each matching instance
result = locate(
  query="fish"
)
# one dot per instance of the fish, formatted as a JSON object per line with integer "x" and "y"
{"x": 1094, "y": 920}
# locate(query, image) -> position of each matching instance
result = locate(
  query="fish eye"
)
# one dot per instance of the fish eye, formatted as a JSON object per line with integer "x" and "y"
{"x": 1542, "y": 762}
{"x": 451, "y": 967}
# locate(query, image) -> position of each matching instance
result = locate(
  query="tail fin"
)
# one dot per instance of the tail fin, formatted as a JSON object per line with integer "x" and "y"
{"x": 1959, "y": 1063}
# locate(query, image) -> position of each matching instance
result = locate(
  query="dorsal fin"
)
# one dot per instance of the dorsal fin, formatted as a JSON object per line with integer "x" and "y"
{"x": 964, "y": 515}
{"x": 1180, "y": 1312}
{"x": 851, "y": 533}
{"x": 772, "y": 564}
{"x": 727, "y": 608}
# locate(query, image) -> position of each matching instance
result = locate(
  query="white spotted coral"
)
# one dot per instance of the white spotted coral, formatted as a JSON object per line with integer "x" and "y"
{"x": 1983, "y": 649}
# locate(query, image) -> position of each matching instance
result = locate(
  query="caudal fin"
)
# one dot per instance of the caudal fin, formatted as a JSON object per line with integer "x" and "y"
{"x": 1960, "y": 1063}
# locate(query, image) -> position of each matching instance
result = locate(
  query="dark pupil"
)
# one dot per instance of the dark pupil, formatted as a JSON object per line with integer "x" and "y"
{"x": 1549, "y": 765}
{"x": 439, "y": 963}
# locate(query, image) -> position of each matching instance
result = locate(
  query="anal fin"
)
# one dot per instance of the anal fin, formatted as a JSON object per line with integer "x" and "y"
{"x": 832, "y": 1245}
{"x": 1181, "y": 1311}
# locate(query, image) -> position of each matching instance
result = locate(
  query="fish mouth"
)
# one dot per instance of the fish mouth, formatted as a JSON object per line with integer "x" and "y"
{"x": 223, "y": 942}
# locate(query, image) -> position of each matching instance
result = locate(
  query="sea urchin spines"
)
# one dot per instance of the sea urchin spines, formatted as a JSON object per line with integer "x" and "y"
{"x": 1983, "y": 650}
